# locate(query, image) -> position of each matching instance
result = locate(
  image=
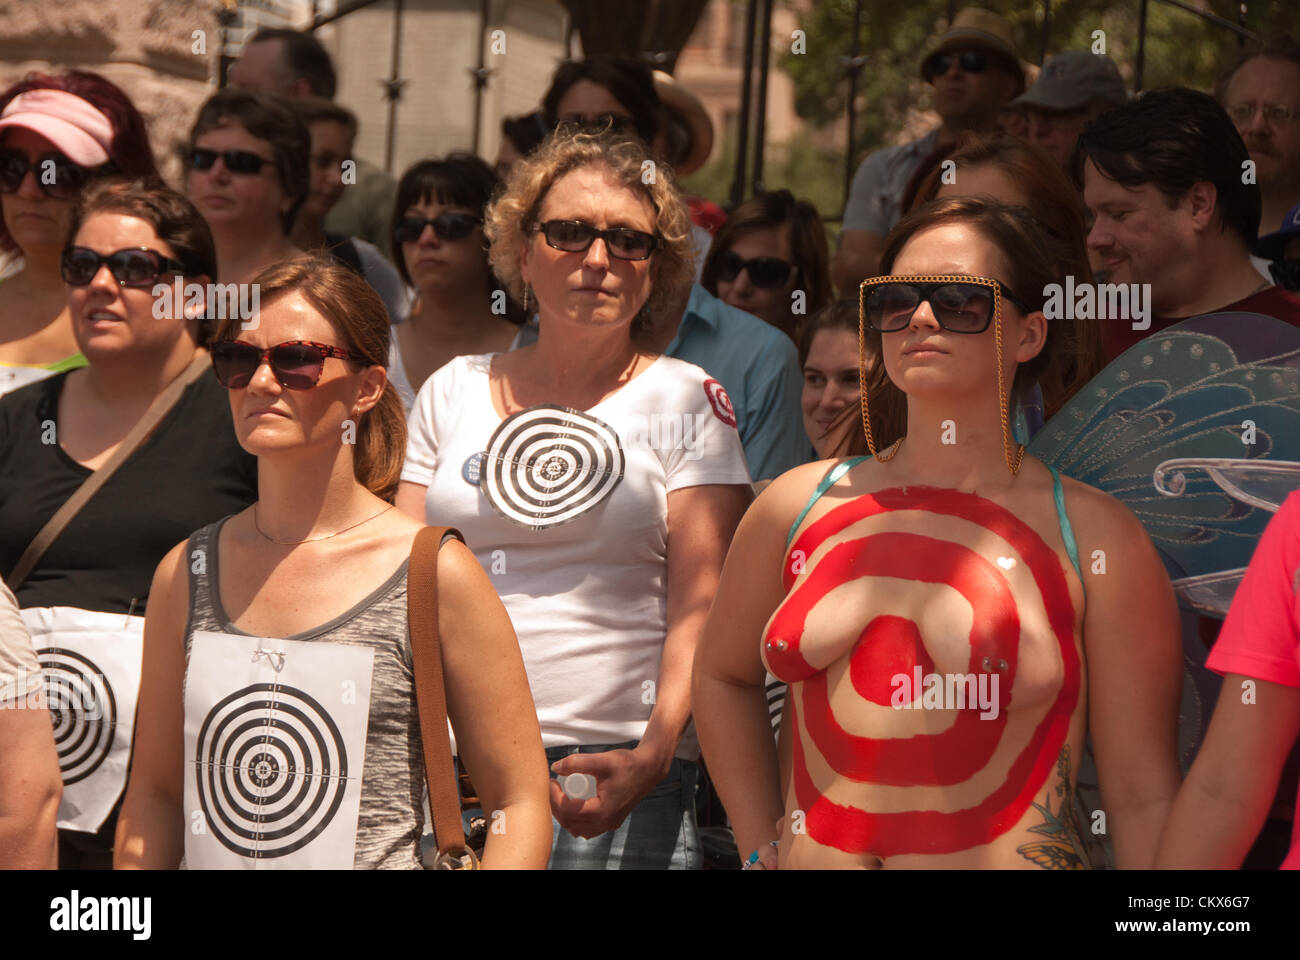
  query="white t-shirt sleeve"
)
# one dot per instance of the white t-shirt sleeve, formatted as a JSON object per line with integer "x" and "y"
{"x": 710, "y": 449}
{"x": 421, "y": 431}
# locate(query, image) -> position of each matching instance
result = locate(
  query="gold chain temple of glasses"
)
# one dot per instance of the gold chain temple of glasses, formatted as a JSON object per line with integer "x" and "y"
{"x": 1013, "y": 463}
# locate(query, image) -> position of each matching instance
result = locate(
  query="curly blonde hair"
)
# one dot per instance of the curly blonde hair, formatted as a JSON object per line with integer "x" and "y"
{"x": 510, "y": 217}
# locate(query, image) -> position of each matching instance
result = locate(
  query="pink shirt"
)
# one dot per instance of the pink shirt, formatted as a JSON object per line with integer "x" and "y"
{"x": 1261, "y": 636}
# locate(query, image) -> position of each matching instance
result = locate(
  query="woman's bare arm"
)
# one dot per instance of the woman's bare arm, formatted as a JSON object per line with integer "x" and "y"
{"x": 491, "y": 709}
{"x": 1230, "y": 787}
{"x": 410, "y": 500}
{"x": 151, "y": 827}
{"x": 727, "y": 692}
{"x": 1135, "y": 676}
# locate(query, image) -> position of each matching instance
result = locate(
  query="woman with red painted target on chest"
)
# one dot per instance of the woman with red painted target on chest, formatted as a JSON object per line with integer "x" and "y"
{"x": 953, "y": 618}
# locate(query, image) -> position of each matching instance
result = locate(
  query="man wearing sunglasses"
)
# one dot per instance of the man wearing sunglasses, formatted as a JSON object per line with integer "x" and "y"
{"x": 974, "y": 72}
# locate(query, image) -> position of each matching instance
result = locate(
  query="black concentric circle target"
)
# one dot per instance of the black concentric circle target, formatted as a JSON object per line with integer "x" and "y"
{"x": 83, "y": 710}
{"x": 272, "y": 770}
{"x": 547, "y": 465}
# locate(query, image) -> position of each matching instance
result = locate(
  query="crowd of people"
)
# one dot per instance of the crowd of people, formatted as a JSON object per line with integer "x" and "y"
{"x": 706, "y": 482}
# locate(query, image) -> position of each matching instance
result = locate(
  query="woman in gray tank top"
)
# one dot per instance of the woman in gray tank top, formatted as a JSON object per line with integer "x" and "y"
{"x": 278, "y": 684}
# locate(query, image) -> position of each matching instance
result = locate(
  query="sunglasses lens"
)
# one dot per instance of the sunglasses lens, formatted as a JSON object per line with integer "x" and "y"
{"x": 963, "y": 307}
{"x": 974, "y": 61}
{"x": 454, "y": 226}
{"x": 729, "y": 266}
{"x": 630, "y": 244}
{"x": 234, "y": 364}
{"x": 297, "y": 365}
{"x": 767, "y": 273}
{"x": 569, "y": 235}
{"x": 79, "y": 266}
{"x": 409, "y": 229}
{"x": 135, "y": 268}
{"x": 241, "y": 162}
{"x": 12, "y": 169}
{"x": 890, "y": 306}
{"x": 200, "y": 159}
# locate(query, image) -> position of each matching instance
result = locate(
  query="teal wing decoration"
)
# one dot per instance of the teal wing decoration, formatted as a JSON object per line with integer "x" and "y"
{"x": 1197, "y": 430}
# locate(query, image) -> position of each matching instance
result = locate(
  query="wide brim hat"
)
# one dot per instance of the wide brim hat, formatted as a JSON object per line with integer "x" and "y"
{"x": 973, "y": 28}
{"x": 690, "y": 108}
{"x": 75, "y": 126}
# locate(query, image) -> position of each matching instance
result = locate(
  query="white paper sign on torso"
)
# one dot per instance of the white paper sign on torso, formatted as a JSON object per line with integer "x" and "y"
{"x": 275, "y": 739}
{"x": 91, "y": 666}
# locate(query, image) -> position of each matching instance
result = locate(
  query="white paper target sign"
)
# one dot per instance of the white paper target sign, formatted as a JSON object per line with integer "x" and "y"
{"x": 91, "y": 667}
{"x": 275, "y": 738}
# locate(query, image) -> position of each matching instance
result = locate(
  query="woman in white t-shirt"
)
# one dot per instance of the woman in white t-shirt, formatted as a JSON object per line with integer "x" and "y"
{"x": 599, "y": 484}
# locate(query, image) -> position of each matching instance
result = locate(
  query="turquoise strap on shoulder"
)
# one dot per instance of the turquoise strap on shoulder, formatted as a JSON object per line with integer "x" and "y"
{"x": 827, "y": 482}
{"x": 1062, "y": 518}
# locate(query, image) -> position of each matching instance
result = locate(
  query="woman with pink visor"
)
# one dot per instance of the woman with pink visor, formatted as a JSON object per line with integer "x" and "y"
{"x": 56, "y": 134}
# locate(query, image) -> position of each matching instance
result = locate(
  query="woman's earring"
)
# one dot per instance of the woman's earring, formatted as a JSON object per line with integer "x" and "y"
{"x": 525, "y": 298}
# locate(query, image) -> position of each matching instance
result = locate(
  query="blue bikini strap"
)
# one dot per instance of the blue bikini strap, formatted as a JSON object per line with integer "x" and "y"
{"x": 1062, "y": 518}
{"x": 827, "y": 482}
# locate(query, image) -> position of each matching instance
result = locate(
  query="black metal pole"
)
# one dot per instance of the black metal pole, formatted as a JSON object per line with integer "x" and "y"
{"x": 854, "y": 68}
{"x": 394, "y": 86}
{"x": 742, "y": 135}
{"x": 481, "y": 74}
{"x": 1047, "y": 29}
{"x": 760, "y": 125}
{"x": 1142, "y": 48}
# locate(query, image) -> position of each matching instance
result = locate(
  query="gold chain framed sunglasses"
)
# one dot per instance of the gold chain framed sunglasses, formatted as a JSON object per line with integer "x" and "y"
{"x": 960, "y": 304}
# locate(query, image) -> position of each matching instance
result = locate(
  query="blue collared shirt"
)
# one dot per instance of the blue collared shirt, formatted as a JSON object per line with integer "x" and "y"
{"x": 758, "y": 366}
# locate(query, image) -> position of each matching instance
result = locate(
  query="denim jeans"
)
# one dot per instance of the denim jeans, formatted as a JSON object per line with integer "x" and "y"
{"x": 659, "y": 834}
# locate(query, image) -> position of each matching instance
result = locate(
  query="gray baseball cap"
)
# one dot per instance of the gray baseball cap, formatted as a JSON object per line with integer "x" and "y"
{"x": 1070, "y": 80}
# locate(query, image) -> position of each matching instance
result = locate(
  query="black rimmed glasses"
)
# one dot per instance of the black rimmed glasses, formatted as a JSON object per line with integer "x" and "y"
{"x": 447, "y": 226}
{"x": 575, "y": 236}
{"x": 296, "y": 364}
{"x": 960, "y": 304}
{"x": 131, "y": 267}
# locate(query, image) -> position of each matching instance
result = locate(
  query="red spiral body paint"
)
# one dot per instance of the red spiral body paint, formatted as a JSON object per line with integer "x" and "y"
{"x": 889, "y": 645}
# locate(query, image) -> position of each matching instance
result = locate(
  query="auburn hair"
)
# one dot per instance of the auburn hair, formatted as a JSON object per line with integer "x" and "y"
{"x": 358, "y": 315}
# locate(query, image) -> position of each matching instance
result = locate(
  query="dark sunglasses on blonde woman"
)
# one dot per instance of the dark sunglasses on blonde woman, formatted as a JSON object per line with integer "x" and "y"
{"x": 296, "y": 364}
{"x": 575, "y": 236}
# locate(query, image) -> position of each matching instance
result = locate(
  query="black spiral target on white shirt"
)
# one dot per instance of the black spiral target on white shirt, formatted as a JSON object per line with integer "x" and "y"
{"x": 272, "y": 770}
{"x": 83, "y": 710}
{"x": 547, "y": 465}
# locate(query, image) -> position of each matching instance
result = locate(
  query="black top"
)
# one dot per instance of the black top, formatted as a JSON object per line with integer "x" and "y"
{"x": 189, "y": 472}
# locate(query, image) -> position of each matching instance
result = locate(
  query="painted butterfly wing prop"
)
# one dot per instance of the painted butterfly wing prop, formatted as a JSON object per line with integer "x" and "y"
{"x": 1220, "y": 392}
{"x": 1225, "y": 386}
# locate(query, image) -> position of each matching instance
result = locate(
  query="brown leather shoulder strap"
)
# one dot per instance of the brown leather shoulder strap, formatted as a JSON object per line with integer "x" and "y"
{"x": 430, "y": 694}
{"x": 160, "y": 407}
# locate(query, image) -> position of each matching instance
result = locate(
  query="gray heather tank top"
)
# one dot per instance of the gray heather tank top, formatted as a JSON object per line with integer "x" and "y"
{"x": 391, "y": 818}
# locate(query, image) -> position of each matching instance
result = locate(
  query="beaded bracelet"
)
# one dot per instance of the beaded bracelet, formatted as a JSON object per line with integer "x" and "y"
{"x": 753, "y": 857}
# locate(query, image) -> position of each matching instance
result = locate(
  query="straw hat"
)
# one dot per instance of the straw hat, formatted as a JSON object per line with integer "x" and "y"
{"x": 690, "y": 109}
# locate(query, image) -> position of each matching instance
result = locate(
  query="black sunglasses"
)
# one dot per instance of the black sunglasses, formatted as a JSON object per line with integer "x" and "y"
{"x": 240, "y": 162}
{"x": 296, "y": 364}
{"x": 970, "y": 61}
{"x": 447, "y": 226}
{"x": 65, "y": 177}
{"x": 766, "y": 273}
{"x": 960, "y": 304}
{"x": 132, "y": 267}
{"x": 1286, "y": 273}
{"x": 575, "y": 236}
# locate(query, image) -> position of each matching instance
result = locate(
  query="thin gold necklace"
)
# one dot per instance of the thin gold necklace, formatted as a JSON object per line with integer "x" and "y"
{"x": 288, "y": 543}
